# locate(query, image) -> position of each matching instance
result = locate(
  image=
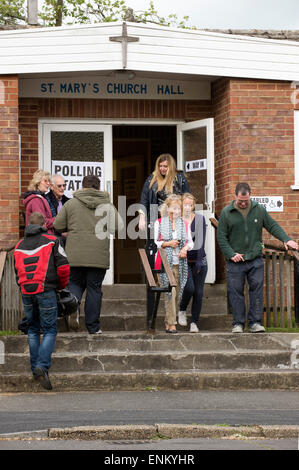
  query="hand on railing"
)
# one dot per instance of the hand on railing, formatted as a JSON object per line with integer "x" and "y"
{"x": 291, "y": 244}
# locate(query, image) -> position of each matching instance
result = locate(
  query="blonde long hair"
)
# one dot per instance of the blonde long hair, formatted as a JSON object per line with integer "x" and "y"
{"x": 36, "y": 179}
{"x": 167, "y": 181}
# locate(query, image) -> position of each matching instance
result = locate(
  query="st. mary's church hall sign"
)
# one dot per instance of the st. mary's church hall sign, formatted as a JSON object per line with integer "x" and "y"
{"x": 107, "y": 87}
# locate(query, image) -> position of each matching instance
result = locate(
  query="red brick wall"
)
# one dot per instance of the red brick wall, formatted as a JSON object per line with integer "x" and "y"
{"x": 254, "y": 142}
{"x": 262, "y": 143}
{"x": 9, "y": 161}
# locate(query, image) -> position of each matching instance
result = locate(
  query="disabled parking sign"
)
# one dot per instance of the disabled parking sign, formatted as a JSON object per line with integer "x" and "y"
{"x": 270, "y": 203}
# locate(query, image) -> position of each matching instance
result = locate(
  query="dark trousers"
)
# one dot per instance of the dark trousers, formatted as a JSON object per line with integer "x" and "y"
{"x": 194, "y": 289}
{"x": 237, "y": 273}
{"x": 89, "y": 279}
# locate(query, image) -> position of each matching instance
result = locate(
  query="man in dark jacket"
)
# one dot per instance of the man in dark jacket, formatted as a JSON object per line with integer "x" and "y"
{"x": 239, "y": 236}
{"x": 41, "y": 268}
{"x": 86, "y": 217}
{"x": 56, "y": 197}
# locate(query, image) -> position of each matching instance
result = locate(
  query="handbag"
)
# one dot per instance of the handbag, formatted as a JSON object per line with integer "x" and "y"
{"x": 67, "y": 303}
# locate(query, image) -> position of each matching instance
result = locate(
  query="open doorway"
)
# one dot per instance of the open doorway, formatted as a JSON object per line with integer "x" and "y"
{"x": 135, "y": 150}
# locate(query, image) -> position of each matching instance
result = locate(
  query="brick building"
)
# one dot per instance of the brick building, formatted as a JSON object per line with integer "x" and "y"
{"x": 115, "y": 96}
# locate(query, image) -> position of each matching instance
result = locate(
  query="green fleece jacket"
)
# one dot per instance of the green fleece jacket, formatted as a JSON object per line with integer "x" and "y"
{"x": 236, "y": 234}
{"x": 89, "y": 218}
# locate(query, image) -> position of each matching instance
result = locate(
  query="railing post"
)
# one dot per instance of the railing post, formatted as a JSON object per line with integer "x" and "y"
{"x": 268, "y": 289}
{"x": 296, "y": 290}
{"x": 281, "y": 282}
{"x": 274, "y": 284}
{"x": 289, "y": 291}
{"x": 150, "y": 250}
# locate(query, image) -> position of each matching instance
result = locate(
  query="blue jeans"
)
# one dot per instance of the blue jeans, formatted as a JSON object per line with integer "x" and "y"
{"x": 90, "y": 279}
{"x": 237, "y": 273}
{"x": 194, "y": 288}
{"x": 41, "y": 313}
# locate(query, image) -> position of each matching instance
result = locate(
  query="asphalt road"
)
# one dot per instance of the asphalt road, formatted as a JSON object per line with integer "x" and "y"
{"x": 40, "y": 411}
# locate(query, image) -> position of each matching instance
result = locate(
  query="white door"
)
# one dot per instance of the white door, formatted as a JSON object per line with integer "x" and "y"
{"x": 196, "y": 158}
{"x": 74, "y": 149}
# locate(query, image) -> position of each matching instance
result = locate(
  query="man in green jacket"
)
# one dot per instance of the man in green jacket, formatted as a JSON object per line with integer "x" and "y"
{"x": 88, "y": 218}
{"x": 239, "y": 236}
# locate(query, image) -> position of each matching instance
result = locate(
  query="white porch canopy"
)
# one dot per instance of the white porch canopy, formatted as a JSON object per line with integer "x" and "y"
{"x": 157, "y": 49}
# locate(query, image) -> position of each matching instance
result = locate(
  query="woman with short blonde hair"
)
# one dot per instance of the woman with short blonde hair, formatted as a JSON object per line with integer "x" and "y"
{"x": 35, "y": 201}
{"x": 37, "y": 177}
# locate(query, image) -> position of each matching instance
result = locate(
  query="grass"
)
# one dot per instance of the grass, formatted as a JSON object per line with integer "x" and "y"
{"x": 282, "y": 330}
{"x": 9, "y": 333}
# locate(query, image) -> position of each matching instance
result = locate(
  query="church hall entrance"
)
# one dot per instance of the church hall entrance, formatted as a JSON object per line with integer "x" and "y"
{"x": 122, "y": 154}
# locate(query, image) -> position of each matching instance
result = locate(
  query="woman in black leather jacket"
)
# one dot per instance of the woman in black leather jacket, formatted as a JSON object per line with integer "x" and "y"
{"x": 165, "y": 180}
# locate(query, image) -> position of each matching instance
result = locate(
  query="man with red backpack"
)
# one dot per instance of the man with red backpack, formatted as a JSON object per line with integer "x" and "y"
{"x": 41, "y": 268}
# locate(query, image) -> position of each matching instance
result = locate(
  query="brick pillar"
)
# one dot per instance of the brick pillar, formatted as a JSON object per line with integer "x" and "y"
{"x": 262, "y": 144}
{"x": 221, "y": 108}
{"x": 254, "y": 142}
{"x": 9, "y": 161}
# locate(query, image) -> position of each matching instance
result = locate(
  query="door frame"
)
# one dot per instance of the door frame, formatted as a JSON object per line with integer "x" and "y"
{"x": 209, "y": 188}
{"x": 44, "y": 135}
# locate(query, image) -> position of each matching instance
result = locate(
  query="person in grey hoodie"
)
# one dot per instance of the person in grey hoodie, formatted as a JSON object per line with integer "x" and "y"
{"x": 89, "y": 218}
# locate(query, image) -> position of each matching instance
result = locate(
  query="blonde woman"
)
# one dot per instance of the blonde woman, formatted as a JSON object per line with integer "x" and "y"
{"x": 197, "y": 264}
{"x": 165, "y": 180}
{"x": 173, "y": 234}
{"x": 35, "y": 201}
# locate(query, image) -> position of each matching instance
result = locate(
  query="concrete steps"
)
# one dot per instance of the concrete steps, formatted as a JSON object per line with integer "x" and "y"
{"x": 134, "y": 361}
{"x": 124, "y": 309}
{"x": 125, "y": 357}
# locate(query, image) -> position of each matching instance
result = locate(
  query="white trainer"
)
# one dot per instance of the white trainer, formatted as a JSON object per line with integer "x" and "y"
{"x": 99, "y": 332}
{"x": 256, "y": 328}
{"x": 182, "y": 318}
{"x": 237, "y": 329}
{"x": 193, "y": 328}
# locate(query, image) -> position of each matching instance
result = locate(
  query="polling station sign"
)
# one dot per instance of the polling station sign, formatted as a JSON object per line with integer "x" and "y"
{"x": 74, "y": 172}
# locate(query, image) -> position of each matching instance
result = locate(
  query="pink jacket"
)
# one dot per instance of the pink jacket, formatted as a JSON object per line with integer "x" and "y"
{"x": 34, "y": 202}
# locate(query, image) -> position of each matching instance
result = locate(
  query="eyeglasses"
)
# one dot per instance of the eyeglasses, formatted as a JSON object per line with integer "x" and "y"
{"x": 61, "y": 185}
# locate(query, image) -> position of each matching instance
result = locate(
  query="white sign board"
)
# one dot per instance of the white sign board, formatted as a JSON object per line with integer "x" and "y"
{"x": 74, "y": 172}
{"x": 100, "y": 87}
{"x": 270, "y": 203}
{"x": 196, "y": 165}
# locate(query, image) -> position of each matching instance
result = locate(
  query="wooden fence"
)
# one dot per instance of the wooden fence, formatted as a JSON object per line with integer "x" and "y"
{"x": 11, "y": 309}
{"x": 280, "y": 288}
